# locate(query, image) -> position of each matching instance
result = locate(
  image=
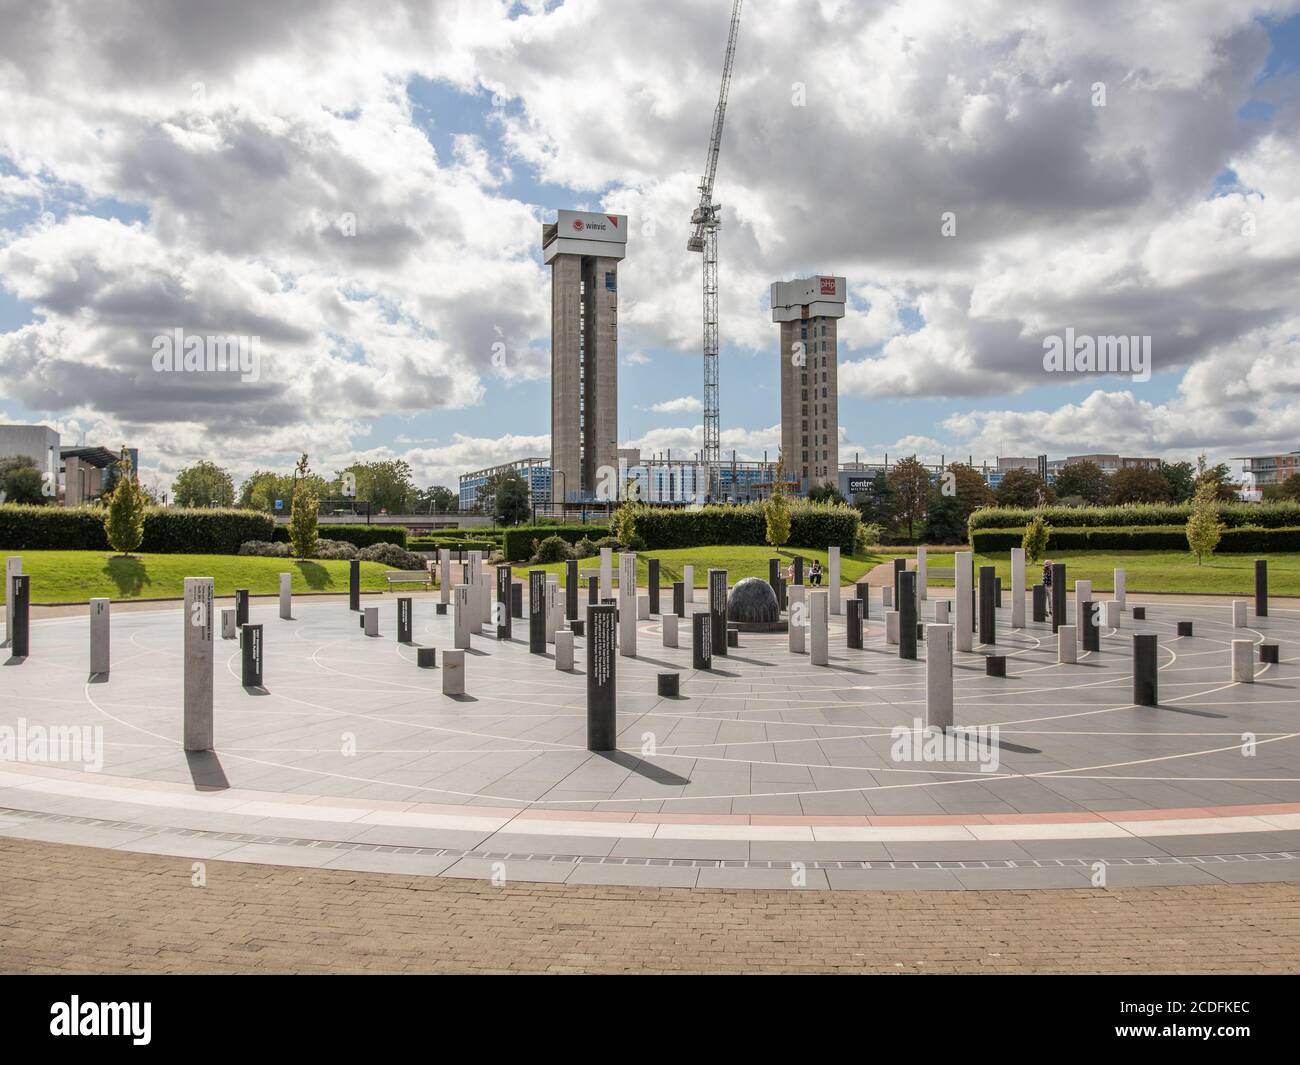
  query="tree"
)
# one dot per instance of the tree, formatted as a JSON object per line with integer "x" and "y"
{"x": 505, "y": 495}
{"x": 825, "y": 493}
{"x": 1288, "y": 489}
{"x": 205, "y": 484}
{"x": 943, "y": 521}
{"x": 876, "y": 504}
{"x": 1224, "y": 489}
{"x": 386, "y": 485}
{"x": 438, "y": 500}
{"x": 1035, "y": 539}
{"x": 909, "y": 481}
{"x": 21, "y": 481}
{"x": 776, "y": 509}
{"x": 1204, "y": 529}
{"x": 305, "y": 510}
{"x": 969, "y": 488}
{"x": 124, "y": 522}
{"x": 1181, "y": 478}
{"x": 1023, "y": 488}
{"x": 1136, "y": 485}
{"x": 1084, "y": 479}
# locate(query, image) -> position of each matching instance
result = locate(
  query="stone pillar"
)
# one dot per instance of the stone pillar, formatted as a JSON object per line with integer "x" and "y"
{"x": 938, "y": 676}
{"x": 963, "y": 578}
{"x": 643, "y": 608}
{"x": 1017, "y": 587}
{"x": 718, "y": 609}
{"x": 774, "y": 577}
{"x": 536, "y": 612}
{"x": 907, "y": 614}
{"x": 1239, "y": 614}
{"x": 627, "y": 626}
{"x": 241, "y": 606}
{"x": 679, "y": 599}
{"x": 370, "y": 617}
{"x": 505, "y": 607}
{"x": 941, "y": 611}
{"x": 1112, "y": 613}
{"x": 1085, "y": 612}
{"x": 571, "y": 589}
{"x": 602, "y": 709}
{"x": 1120, "y": 591}
{"x": 1066, "y": 650}
{"x": 405, "y": 619}
{"x": 251, "y": 651}
{"x": 13, "y": 568}
{"x": 606, "y": 573}
{"x": 798, "y": 569}
{"x": 652, "y": 584}
{"x": 462, "y": 625}
{"x": 1261, "y": 588}
{"x": 818, "y": 610}
{"x": 354, "y": 585}
{"x": 453, "y": 662}
{"x": 922, "y": 591}
{"x": 286, "y": 596}
{"x": 833, "y": 573}
{"x": 1146, "y": 677}
{"x": 1082, "y": 591}
{"x": 853, "y": 638}
{"x": 593, "y": 591}
{"x": 988, "y": 617}
{"x": 564, "y": 649}
{"x": 670, "y": 629}
{"x": 516, "y": 599}
{"x": 900, "y": 566}
{"x": 887, "y": 597}
{"x": 1243, "y": 661}
{"x": 688, "y": 582}
{"x": 229, "y": 630}
{"x": 198, "y": 620}
{"x": 798, "y": 618}
{"x": 99, "y": 641}
{"x": 863, "y": 591}
{"x": 553, "y": 608}
{"x": 701, "y": 640}
{"x": 1040, "y": 603}
{"x": 444, "y": 575}
{"x": 1058, "y": 595}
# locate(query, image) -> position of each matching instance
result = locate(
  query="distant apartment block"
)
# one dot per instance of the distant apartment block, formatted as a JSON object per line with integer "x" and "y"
{"x": 1270, "y": 469}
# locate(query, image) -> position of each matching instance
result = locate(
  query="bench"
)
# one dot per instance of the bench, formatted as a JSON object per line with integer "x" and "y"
{"x": 409, "y": 576}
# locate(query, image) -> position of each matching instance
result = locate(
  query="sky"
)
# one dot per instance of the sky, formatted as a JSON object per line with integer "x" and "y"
{"x": 362, "y": 186}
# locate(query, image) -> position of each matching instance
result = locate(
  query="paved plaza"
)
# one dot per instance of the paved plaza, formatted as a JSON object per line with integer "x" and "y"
{"x": 765, "y": 772}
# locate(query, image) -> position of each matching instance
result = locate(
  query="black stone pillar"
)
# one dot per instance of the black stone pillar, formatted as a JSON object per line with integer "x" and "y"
{"x": 20, "y": 593}
{"x": 602, "y": 711}
{"x": 354, "y": 585}
{"x": 516, "y": 599}
{"x": 1058, "y": 595}
{"x": 798, "y": 569}
{"x": 537, "y": 612}
{"x": 718, "y": 609}
{"x": 997, "y": 592}
{"x": 250, "y": 643}
{"x": 1261, "y": 588}
{"x": 701, "y": 641}
{"x": 864, "y": 597}
{"x": 652, "y": 579}
{"x": 1040, "y": 603}
{"x": 906, "y": 613}
{"x": 900, "y": 566}
{"x": 241, "y": 606}
{"x": 1145, "y": 676}
{"x": 988, "y": 592}
{"x": 404, "y": 625}
{"x": 679, "y": 598}
{"x": 1089, "y": 630}
{"x": 571, "y": 589}
{"x": 593, "y": 591}
{"x": 855, "y": 623}
{"x": 774, "y": 578}
{"x": 505, "y": 603}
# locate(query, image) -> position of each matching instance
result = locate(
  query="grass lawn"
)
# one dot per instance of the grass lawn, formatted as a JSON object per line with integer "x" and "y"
{"x": 77, "y": 576}
{"x": 739, "y": 561}
{"x": 1159, "y": 571}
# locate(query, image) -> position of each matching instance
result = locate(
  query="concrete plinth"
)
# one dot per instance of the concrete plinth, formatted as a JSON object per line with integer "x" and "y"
{"x": 833, "y": 573}
{"x": 453, "y": 670}
{"x": 198, "y": 621}
{"x": 963, "y": 577}
{"x": 670, "y": 630}
{"x": 938, "y": 676}
{"x": 798, "y": 618}
{"x": 1067, "y": 651}
{"x": 1243, "y": 661}
{"x": 942, "y": 610}
{"x": 643, "y": 607}
{"x": 921, "y": 576}
{"x": 887, "y": 597}
{"x": 99, "y": 635}
{"x": 818, "y": 608}
{"x": 606, "y": 573}
{"x": 688, "y": 583}
{"x": 286, "y": 596}
{"x": 891, "y": 627}
{"x": 1017, "y": 587}
{"x": 229, "y": 630}
{"x": 462, "y": 626}
{"x": 371, "y": 614}
{"x": 564, "y": 650}
{"x": 1112, "y": 613}
{"x": 1239, "y": 614}
{"x": 1082, "y": 591}
{"x": 1120, "y": 590}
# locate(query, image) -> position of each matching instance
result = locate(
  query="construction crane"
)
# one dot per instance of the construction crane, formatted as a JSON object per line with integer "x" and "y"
{"x": 706, "y": 218}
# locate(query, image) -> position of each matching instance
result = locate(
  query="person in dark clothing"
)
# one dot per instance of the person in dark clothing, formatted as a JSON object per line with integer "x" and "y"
{"x": 815, "y": 574}
{"x": 1047, "y": 585}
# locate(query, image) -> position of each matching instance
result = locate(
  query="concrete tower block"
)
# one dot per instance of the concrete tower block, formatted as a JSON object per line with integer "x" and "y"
{"x": 1120, "y": 590}
{"x": 670, "y": 630}
{"x": 453, "y": 670}
{"x": 818, "y": 619}
{"x": 286, "y": 596}
{"x": 921, "y": 591}
{"x": 1239, "y": 614}
{"x": 938, "y": 676}
{"x": 198, "y": 622}
{"x": 964, "y": 578}
{"x": 833, "y": 572}
{"x": 99, "y": 636}
{"x": 688, "y": 580}
{"x": 444, "y": 575}
{"x": 1067, "y": 652}
{"x": 1243, "y": 661}
{"x": 606, "y": 573}
{"x": 1017, "y": 587}
{"x": 798, "y": 617}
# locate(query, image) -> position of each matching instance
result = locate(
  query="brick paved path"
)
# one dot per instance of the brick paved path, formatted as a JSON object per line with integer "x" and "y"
{"x": 89, "y": 910}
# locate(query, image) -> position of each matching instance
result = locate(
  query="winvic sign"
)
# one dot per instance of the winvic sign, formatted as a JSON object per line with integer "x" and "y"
{"x": 579, "y": 224}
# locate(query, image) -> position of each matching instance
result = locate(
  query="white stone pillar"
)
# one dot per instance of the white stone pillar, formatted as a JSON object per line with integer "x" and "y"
{"x": 1243, "y": 661}
{"x": 453, "y": 667}
{"x": 1067, "y": 652}
{"x": 963, "y": 577}
{"x": 461, "y": 624}
{"x": 818, "y": 618}
{"x": 688, "y": 580}
{"x": 370, "y": 615}
{"x": 891, "y": 627}
{"x": 670, "y": 629}
{"x": 795, "y": 594}
{"x": 887, "y": 596}
{"x": 606, "y": 574}
{"x": 564, "y": 649}
{"x": 627, "y": 604}
{"x": 941, "y": 608}
{"x": 13, "y": 568}
{"x": 833, "y": 571}
{"x": 99, "y": 639}
{"x": 938, "y": 676}
{"x": 553, "y": 608}
{"x": 229, "y": 630}
{"x": 1112, "y": 613}
{"x": 643, "y": 608}
{"x": 1239, "y": 613}
{"x": 921, "y": 592}
{"x": 286, "y": 596}
{"x": 1017, "y": 587}
{"x": 1120, "y": 590}
{"x": 198, "y": 620}
{"x": 444, "y": 575}
{"x": 1082, "y": 594}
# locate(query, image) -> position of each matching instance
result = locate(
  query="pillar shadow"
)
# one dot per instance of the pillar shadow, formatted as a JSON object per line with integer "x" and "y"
{"x": 256, "y": 689}
{"x": 206, "y": 771}
{"x": 15, "y": 660}
{"x": 97, "y": 678}
{"x": 463, "y": 698}
{"x": 1191, "y": 712}
{"x": 641, "y": 767}
{"x": 750, "y": 661}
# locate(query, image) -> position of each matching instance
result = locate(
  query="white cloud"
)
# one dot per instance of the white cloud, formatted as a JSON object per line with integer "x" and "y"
{"x": 678, "y": 405}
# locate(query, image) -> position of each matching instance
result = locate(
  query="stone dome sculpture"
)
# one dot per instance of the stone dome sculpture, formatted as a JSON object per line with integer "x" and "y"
{"x": 752, "y": 602}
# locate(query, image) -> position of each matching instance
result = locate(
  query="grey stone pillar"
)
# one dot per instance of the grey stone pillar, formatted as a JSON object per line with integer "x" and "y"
{"x": 718, "y": 609}
{"x": 99, "y": 635}
{"x": 907, "y": 614}
{"x": 1017, "y": 587}
{"x": 922, "y": 574}
{"x": 1120, "y": 589}
{"x": 602, "y": 707}
{"x": 818, "y": 617}
{"x": 198, "y": 622}
{"x": 833, "y": 575}
{"x": 444, "y": 575}
{"x": 964, "y": 579}
{"x": 798, "y": 618}
{"x": 286, "y": 596}
{"x": 1243, "y": 661}
{"x": 13, "y": 568}
{"x": 938, "y": 676}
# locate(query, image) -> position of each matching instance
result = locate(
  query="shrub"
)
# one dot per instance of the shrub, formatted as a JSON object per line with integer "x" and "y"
{"x": 124, "y": 522}
{"x": 517, "y": 543}
{"x": 1233, "y": 515}
{"x": 1204, "y": 529}
{"x": 1034, "y": 542}
{"x": 584, "y": 548}
{"x": 391, "y": 555}
{"x": 334, "y": 549}
{"x": 552, "y": 549}
{"x": 357, "y": 535}
{"x": 264, "y": 549}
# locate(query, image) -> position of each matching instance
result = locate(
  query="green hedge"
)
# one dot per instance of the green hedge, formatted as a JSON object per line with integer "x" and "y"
{"x": 1233, "y": 515}
{"x": 517, "y": 543}
{"x": 167, "y": 530}
{"x": 1140, "y": 538}
{"x": 423, "y": 543}
{"x": 467, "y": 534}
{"x": 817, "y": 525}
{"x": 360, "y": 535}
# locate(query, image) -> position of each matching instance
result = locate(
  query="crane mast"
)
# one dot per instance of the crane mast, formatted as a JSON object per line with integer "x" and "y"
{"x": 707, "y": 218}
